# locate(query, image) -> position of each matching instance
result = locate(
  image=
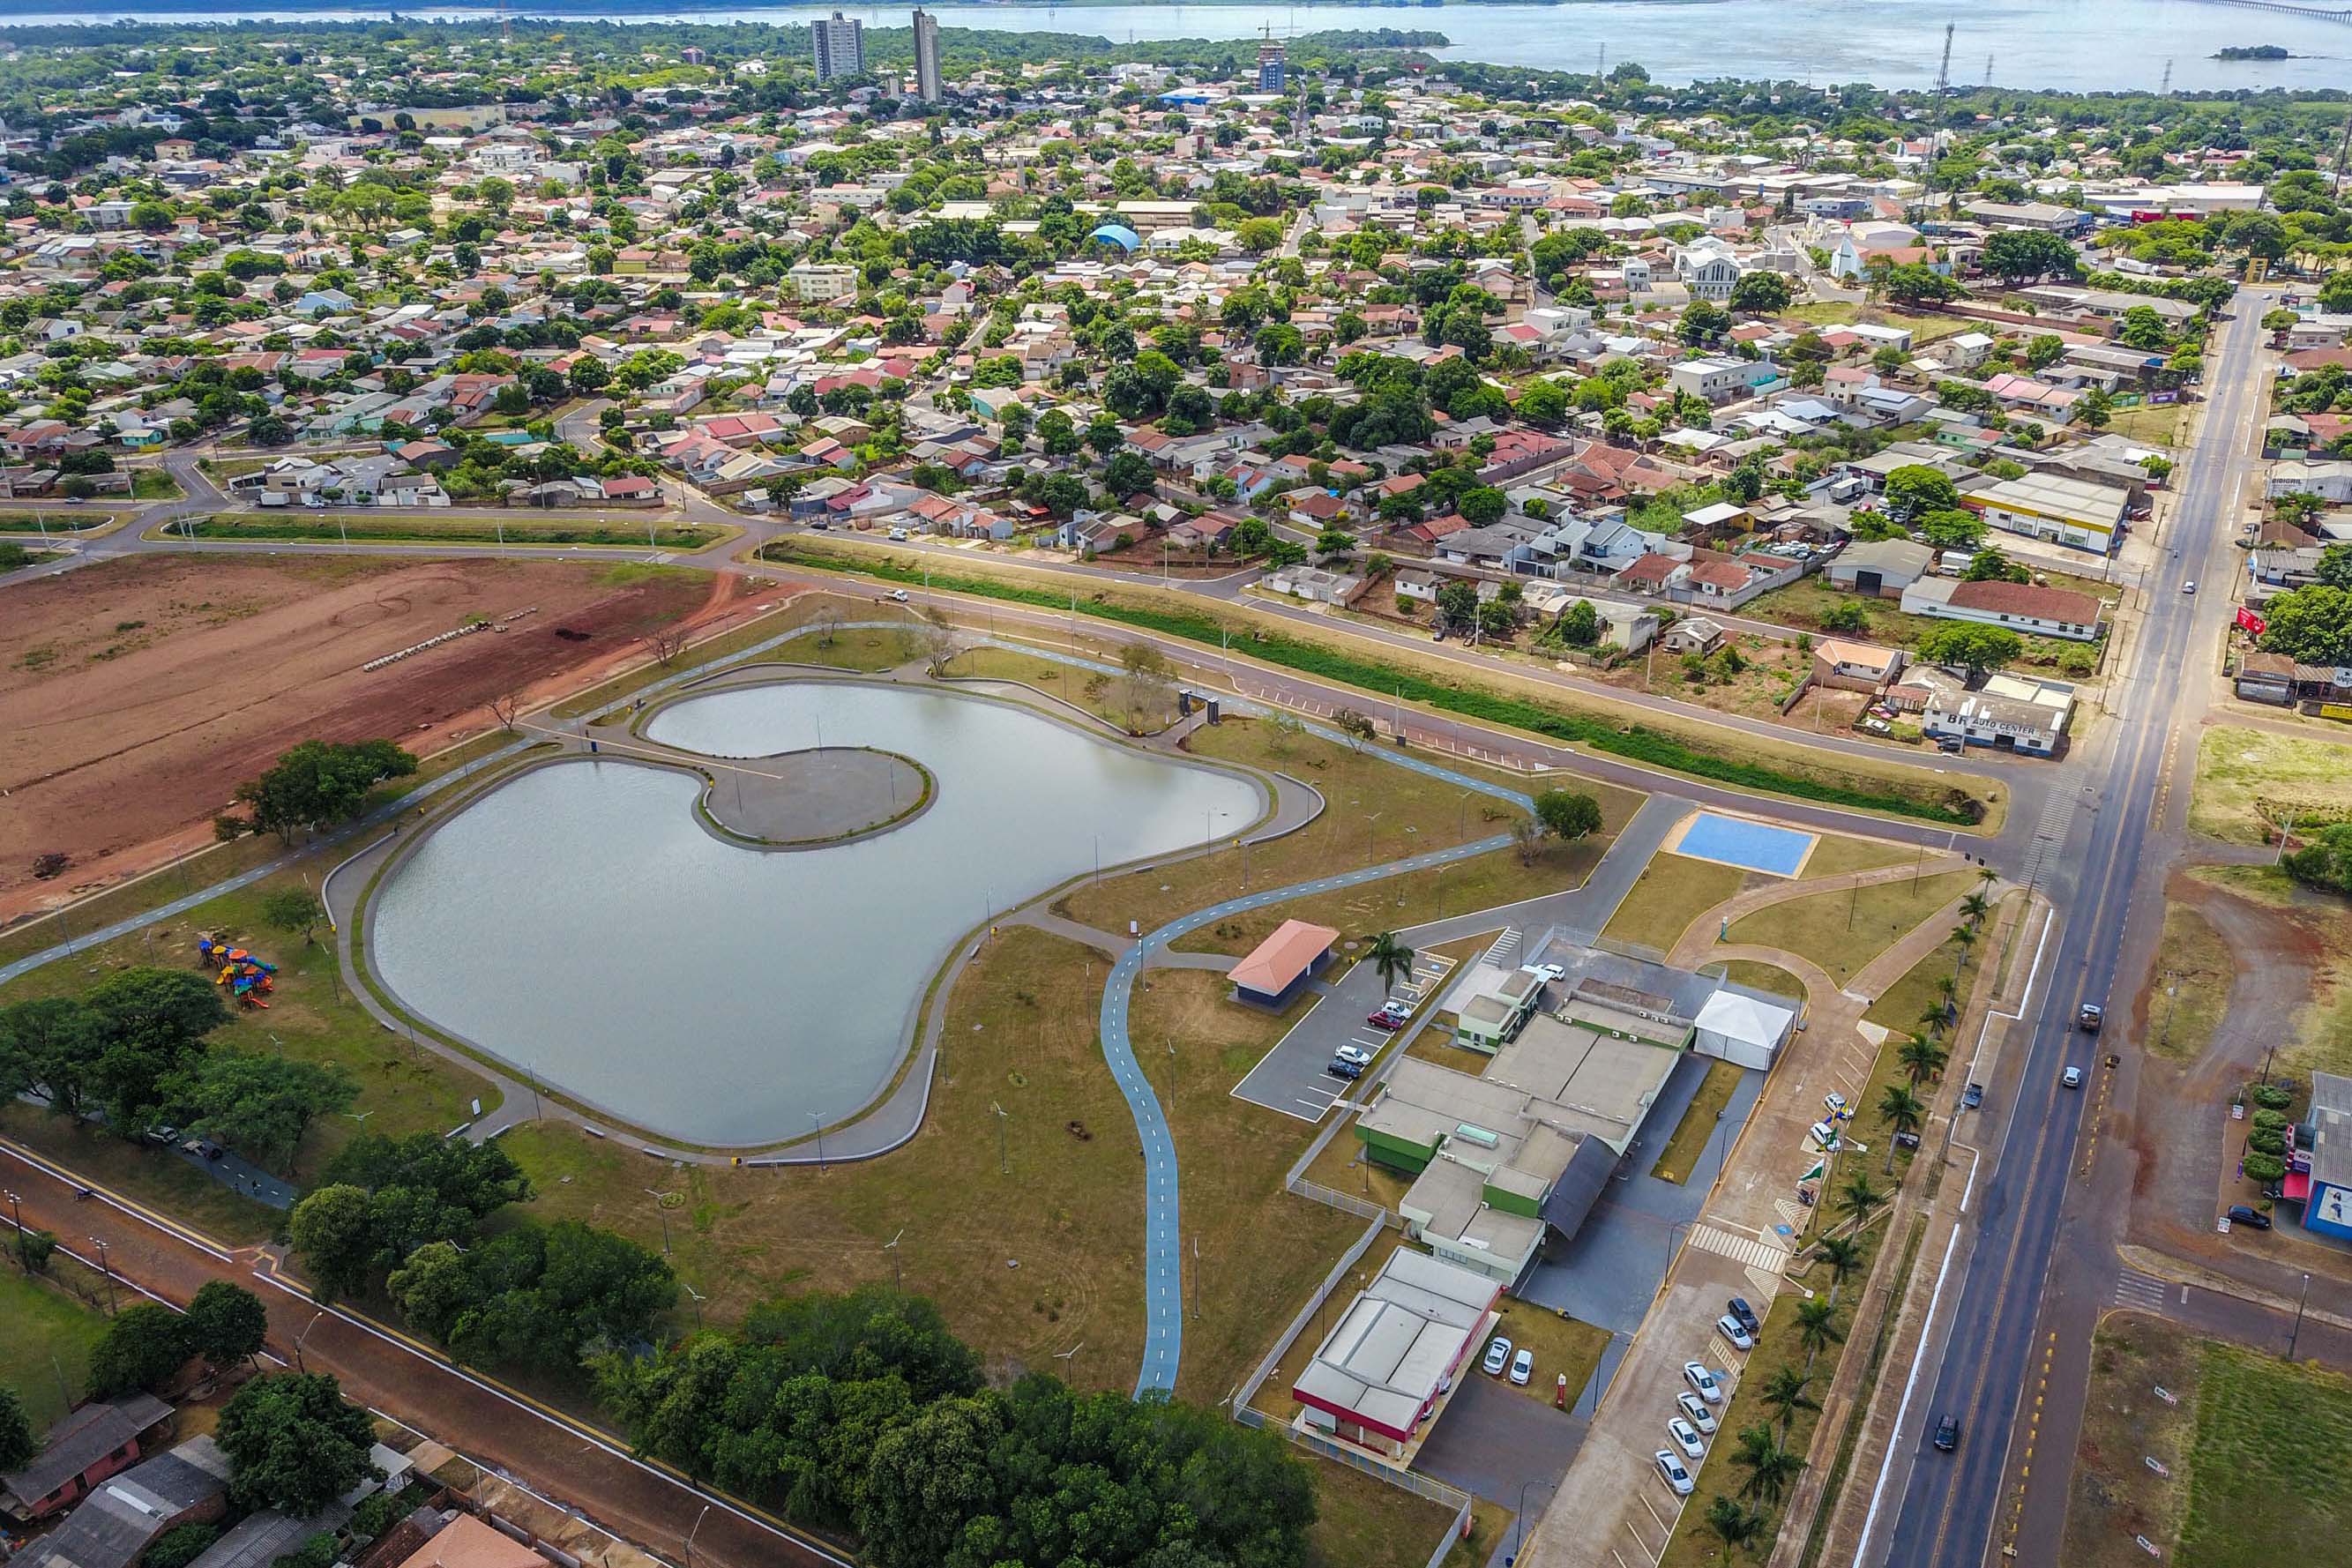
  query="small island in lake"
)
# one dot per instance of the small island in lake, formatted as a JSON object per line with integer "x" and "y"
{"x": 2255, "y": 52}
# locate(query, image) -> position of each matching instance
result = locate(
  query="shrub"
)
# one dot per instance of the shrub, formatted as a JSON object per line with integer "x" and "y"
{"x": 178, "y": 1547}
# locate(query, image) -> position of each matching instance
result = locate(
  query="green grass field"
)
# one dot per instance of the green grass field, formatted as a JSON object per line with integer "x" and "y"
{"x": 1671, "y": 893}
{"x": 1682, "y": 1149}
{"x": 1843, "y": 930}
{"x": 2265, "y": 1472}
{"x": 48, "y": 1337}
{"x": 2247, "y": 779}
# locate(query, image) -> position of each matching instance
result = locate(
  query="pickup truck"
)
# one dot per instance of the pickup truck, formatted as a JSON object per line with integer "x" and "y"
{"x": 2089, "y": 1016}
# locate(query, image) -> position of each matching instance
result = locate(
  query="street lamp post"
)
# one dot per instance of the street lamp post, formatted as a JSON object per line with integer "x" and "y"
{"x": 897, "y": 1275}
{"x": 305, "y": 1334}
{"x": 1519, "y": 1520}
{"x": 692, "y": 1533}
{"x": 2297, "y": 1333}
{"x": 17, "y": 1216}
{"x": 818, "y": 1123}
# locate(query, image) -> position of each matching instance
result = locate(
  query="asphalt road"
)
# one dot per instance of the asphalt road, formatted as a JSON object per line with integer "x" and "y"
{"x": 1955, "y": 1509}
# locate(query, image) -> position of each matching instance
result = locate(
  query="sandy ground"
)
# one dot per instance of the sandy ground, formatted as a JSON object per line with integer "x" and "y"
{"x": 135, "y": 696}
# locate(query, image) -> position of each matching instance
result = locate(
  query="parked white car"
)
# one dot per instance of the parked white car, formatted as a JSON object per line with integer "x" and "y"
{"x": 1523, "y": 1367}
{"x": 1498, "y": 1356}
{"x": 1702, "y": 1382}
{"x": 1695, "y": 1412}
{"x": 1687, "y": 1438}
{"x": 1670, "y": 1469}
{"x": 1732, "y": 1329}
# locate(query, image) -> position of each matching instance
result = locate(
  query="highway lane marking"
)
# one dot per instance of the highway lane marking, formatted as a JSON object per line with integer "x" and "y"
{"x": 2107, "y": 910}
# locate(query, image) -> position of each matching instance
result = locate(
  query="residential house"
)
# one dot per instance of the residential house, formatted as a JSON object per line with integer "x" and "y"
{"x": 1854, "y": 665}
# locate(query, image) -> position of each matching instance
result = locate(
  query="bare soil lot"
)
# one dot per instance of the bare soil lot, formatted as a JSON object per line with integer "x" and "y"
{"x": 136, "y": 695}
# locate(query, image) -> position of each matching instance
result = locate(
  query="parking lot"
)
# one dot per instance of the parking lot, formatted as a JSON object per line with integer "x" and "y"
{"x": 1291, "y": 1077}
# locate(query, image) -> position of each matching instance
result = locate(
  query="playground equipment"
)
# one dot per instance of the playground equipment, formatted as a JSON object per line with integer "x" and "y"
{"x": 249, "y": 978}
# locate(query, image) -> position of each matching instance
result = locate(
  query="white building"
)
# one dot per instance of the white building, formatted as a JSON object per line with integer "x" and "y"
{"x": 926, "y": 56}
{"x": 839, "y": 47}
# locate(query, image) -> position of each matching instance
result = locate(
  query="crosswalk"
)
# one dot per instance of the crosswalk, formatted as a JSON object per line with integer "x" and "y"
{"x": 1504, "y": 947}
{"x": 1740, "y": 1249}
{"x": 2049, "y": 835}
{"x": 2140, "y": 1290}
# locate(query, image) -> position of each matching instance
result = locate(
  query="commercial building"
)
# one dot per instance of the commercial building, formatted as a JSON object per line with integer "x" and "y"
{"x": 1273, "y": 66}
{"x": 926, "y": 56}
{"x": 1396, "y": 1351}
{"x": 2322, "y": 1167}
{"x": 1521, "y": 1150}
{"x": 2061, "y": 510}
{"x": 1880, "y": 567}
{"x": 839, "y": 47}
{"x": 2008, "y": 712}
{"x": 1278, "y": 968}
{"x": 2021, "y": 606}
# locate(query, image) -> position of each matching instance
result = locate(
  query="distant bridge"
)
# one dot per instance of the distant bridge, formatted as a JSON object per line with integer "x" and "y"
{"x": 2316, "y": 12}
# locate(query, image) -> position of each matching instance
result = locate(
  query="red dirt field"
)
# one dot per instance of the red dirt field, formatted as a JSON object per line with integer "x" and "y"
{"x": 136, "y": 695}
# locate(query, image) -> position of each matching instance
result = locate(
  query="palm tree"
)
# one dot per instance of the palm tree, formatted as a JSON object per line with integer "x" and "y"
{"x": 1947, "y": 987}
{"x": 1734, "y": 1523}
{"x": 1785, "y": 1393}
{"x": 1932, "y": 1022}
{"x": 1966, "y": 937}
{"x": 1922, "y": 1058}
{"x": 1771, "y": 1468}
{"x": 1901, "y": 1111}
{"x": 1976, "y": 906}
{"x": 1986, "y": 875}
{"x": 1842, "y": 1254}
{"x": 1858, "y": 1197}
{"x": 1389, "y": 957}
{"x": 1817, "y": 1328}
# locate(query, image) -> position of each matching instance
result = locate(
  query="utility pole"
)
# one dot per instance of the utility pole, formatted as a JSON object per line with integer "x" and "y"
{"x": 2164, "y": 89}
{"x": 107, "y": 1269}
{"x": 1944, "y": 70}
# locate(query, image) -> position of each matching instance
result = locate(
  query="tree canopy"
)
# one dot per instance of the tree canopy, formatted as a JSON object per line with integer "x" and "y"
{"x": 293, "y": 1443}
{"x": 320, "y": 783}
{"x": 862, "y": 1412}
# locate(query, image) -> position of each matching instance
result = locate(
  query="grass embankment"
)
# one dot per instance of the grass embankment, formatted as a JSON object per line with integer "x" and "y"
{"x": 1066, "y": 1207}
{"x": 1671, "y": 893}
{"x": 1769, "y": 977}
{"x": 37, "y": 524}
{"x": 2255, "y": 1446}
{"x": 1843, "y": 930}
{"x": 1834, "y": 853}
{"x": 866, "y": 649}
{"x": 1680, "y": 1157}
{"x": 2251, "y": 783}
{"x": 1562, "y": 1346}
{"x": 1140, "y": 708}
{"x": 2322, "y": 1037}
{"x": 804, "y": 611}
{"x": 154, "y": 484}
{"x": 45, "y": 1353}
{"x": 1414, "y": 812}
{"x": 425, "y": 529}
{"x": 1694, "y": 750}
{"x": 311, "y": 1017}
{"x": 2190, "y": 985}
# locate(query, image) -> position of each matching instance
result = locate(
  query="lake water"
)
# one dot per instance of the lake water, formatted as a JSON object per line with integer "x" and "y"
{"x": 579, "y": 924}
{"x": 2083, "y": 44}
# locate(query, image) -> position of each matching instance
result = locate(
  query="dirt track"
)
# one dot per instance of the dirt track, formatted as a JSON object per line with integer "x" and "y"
{"x": 135, "y": 696}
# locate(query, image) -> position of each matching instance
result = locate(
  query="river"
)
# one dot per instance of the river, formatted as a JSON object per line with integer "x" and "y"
{"x": 2075, "y": 44}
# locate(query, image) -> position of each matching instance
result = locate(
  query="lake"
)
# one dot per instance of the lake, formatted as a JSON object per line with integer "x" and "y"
{"x": 2079, "y": 45}
{"x": 579, "y": 924}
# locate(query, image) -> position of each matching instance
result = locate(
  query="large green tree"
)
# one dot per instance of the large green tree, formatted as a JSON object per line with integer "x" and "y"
{"x": 142, "y": 1346}
{"x": 226, "y": 1322}
{"x": 18, "y": 1441}
{"x": 2310, "y": 624}
{"x": 260, "y": 1106}
{"x": 1971, "y": 647}
{"x": 320, "y": 783}
{"x": 293, "y": 1443}
{"x": 2018, "y": 255}
{"x": 1919, "y": 488}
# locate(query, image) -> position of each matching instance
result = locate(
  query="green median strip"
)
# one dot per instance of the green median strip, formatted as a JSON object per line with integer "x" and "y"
{"x": 523, "y": 529}
{"x": 1634, "y": 743}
